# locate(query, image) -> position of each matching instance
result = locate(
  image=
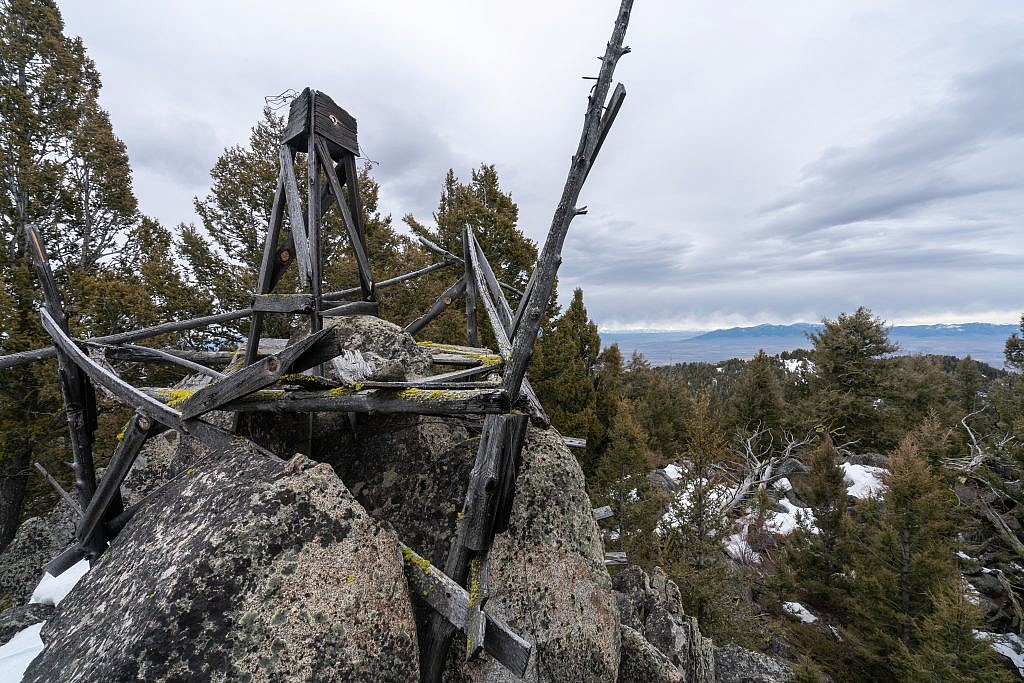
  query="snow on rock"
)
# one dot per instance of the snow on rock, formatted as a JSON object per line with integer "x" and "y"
{"x": 863, "y": 481}
{"x": 1008, "y": 645}
{"x": 783, "y": 485}
{"x": 18, "y": 652}
{"x": 52, "y": 589}
{"x": 800, "y": 612}
{"x": 674, "y": 472}
{"x": 738, "y": 548}
{"x": 785, "y": 523}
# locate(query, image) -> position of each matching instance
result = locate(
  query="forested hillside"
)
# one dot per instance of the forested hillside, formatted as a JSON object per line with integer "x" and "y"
{"x": 852, "y": 510}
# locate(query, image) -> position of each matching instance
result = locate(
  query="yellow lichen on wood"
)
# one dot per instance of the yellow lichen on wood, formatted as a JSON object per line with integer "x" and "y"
{"x": 485, "y": 358}
{"x": 174, "y": 398}
{"x": 413, "y": 394}
{"x": 474, "y": 581}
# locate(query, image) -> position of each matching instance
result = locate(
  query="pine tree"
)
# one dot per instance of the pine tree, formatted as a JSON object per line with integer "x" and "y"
{"x": 946, "y": 648}
{"x": 901, "y": 555}
{"x": 756, "y": 401}
{"x": 848, "y": 379}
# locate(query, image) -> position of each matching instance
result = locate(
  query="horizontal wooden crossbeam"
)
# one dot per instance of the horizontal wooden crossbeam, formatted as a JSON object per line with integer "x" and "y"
{"x": 452, "y": 602}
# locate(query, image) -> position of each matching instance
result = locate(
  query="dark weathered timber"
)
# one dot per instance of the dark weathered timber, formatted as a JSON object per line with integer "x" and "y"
{"x": 471, "y": 291}
{"x": 461, "y": 374}
{"x": 603, "y": 512}
{"x": 611, "y": 111}
{"x": 514, "y": 436}
{"x": 68, "y": 557}
{"x": 297, "y": 129}
{"x": 429, "y": 401}
{"x": 354, "y": 202}
{"x": 117, "y": 386}
{"x": 481, "y": 263}
{"x": 354, "y": 236}
{"x": 433, "y": 386}
{"x": 451, "y": 601}
{"x": 449, "y": 255}
{"x": 501, "y": 434}
{"x": 551, "y": 255}
{"x": 477, "y": 260}
{"x": 444, "y": 358}
{"x": 22, "y": 357}
{"x": 574, "y": 442}
{"x": 332, "y": 296}
{"x": 284, "y": 257}
{"x": 146, "y": 354}
{"x": 265, "y": 284}
{"x": 438, "y": 307}
{"x": 615, "y": 558}
{"x": 282, "y": 303}
{"x": 105, "y": 505}
{"x": 313, "y": 186}
{"x": 67, "y": 497}
{"x": 476, "y": 620}
{"x": 296, "y": 220}
{"x": 352, "y": 308}
{"x": 327, "y": 119}
{"x": 260, "y": 374}
{"x": 75, "y": 388}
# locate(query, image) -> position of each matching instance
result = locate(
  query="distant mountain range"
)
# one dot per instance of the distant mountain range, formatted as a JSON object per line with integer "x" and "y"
{"x": 982, "y": 341}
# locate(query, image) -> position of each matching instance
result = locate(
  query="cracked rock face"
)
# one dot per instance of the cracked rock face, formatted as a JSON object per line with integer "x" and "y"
{"x": 244, "y": 568}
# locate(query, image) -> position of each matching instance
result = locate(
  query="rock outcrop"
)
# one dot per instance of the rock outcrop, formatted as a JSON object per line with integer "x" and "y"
{"x": 37, "y": 541}
{"x": 247, "y": 567}
{"x": 735, "y": 664}
{"x": 652, "y": 606}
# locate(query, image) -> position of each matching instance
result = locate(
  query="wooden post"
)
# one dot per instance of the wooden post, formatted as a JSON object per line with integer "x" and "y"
{"x": 551, "y": 256}
{"x": 266, "y": 279}
{"x": 471, "y": 292}
{"x": 78, "y": 393}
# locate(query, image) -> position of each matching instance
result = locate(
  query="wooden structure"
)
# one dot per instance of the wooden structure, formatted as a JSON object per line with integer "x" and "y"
{"x": 327, "y": 135}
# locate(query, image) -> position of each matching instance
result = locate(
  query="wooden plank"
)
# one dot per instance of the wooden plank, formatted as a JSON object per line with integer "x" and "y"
{"x": 551, "y": 255}
{"x": 603, "y": 512}
{"x": 295, "y": 217}
{"x": 22, "y": 357}
{"x": 431, "y": 401}
{"x": 504, "y": 312}
{"x": 461, "y": 374}
{"x": 266, "y": 281}
{"x": 438, "y": 307}
{"x": 451, "y": 601}
{"x": 313, "y": 187}
{"x": 352, "y": 308}
{"x": 472, "y": 290}
{"x": 607, "y": 119}
{"x": 335, "y": 124}
{"x": 574, "y": 442}
{"x": 75, "y": 388}
{"x": 65, "y": 496}
{"x": 102, "y": 507}
{"x": 355, "y": 206}
{"x": 330, "y": 296}
{"x": 68, "y": 558}
{"x": 283, "y": 303}
{"x": 363, "y": 263}
{"x": 261, "y": 374}
{"x": 614, "y": 559}
{"x": 298, "y": 119}
{"x": 444, "y": 358}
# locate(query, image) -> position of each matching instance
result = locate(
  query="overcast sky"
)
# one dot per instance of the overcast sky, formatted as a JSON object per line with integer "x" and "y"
{"x": 773, "y": 161}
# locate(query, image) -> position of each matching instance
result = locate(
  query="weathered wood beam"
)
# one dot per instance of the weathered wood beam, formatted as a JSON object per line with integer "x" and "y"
{"x": 428, "y": 401}
{"x": 472, "y": 291}
{"x": 481, "y": 263}
{"x": 449, "y": 255}
{"x": 445, "y": 358}
{"x": 75, "y": 388}
{"x": 383, "y": 284}
{"x": 551, "y": 255}
{"x": 354, "y": 236}
{"x": 206, "y": 433}
{"x": 438, "y": 307}
{"x": 348, "y": 161}
{"x": 313, "y": 187}
{"x": 65, "y": 496}
{"x": 296, "y": 220}
{"x": 574, "y": 442}
{"x": 451, "y": 601}
{"x": 611, "y": 111}
{"x": 261, "y": 374}
{"x": 461, "y": 374}
{"x": 271, "y": 257}
{"x": 67, "y": 558}
{"x": 352, "y": 308}
{"x": 106, "y": 504}
{"x": 147, "y": 354}
{"x": 615, "y": 559}
{"x": 603, "y": 512}
{"x": 22, "y": 357}
{"x": 283, "y": 303}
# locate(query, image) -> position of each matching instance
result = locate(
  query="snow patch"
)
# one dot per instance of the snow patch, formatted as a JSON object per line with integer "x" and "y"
{"x": 1008, "y": 645}
{"x": 673, "y": 472}
{"x": 863, "y": 481}
{"x": 52, "y": 589}
{"x": 785, "y": 523}
{"x": 738, "y": 548}
{"x": 783, "y": 485}
{"x": 18, "y": 652}
{"x": 800, "y": 612}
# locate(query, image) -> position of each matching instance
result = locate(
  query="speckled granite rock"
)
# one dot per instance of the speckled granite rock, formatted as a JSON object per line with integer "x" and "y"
{"x": 641, "y": 662}
{"x": 387, "y": 351}
{"x": 247, "y": 568}
{"x": 37, "y": 541}
{"x": 548, "y": 578}
{"x": 17, "y": 618}
{"x": 652, "y": 605}
{"x": 738, "y": 665}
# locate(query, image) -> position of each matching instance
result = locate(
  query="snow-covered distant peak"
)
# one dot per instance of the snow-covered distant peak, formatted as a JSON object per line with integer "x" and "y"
{"x": 863, "y": 481}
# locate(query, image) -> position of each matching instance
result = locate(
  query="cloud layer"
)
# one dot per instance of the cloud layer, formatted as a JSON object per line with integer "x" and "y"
{"x": 771, "y": 163}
